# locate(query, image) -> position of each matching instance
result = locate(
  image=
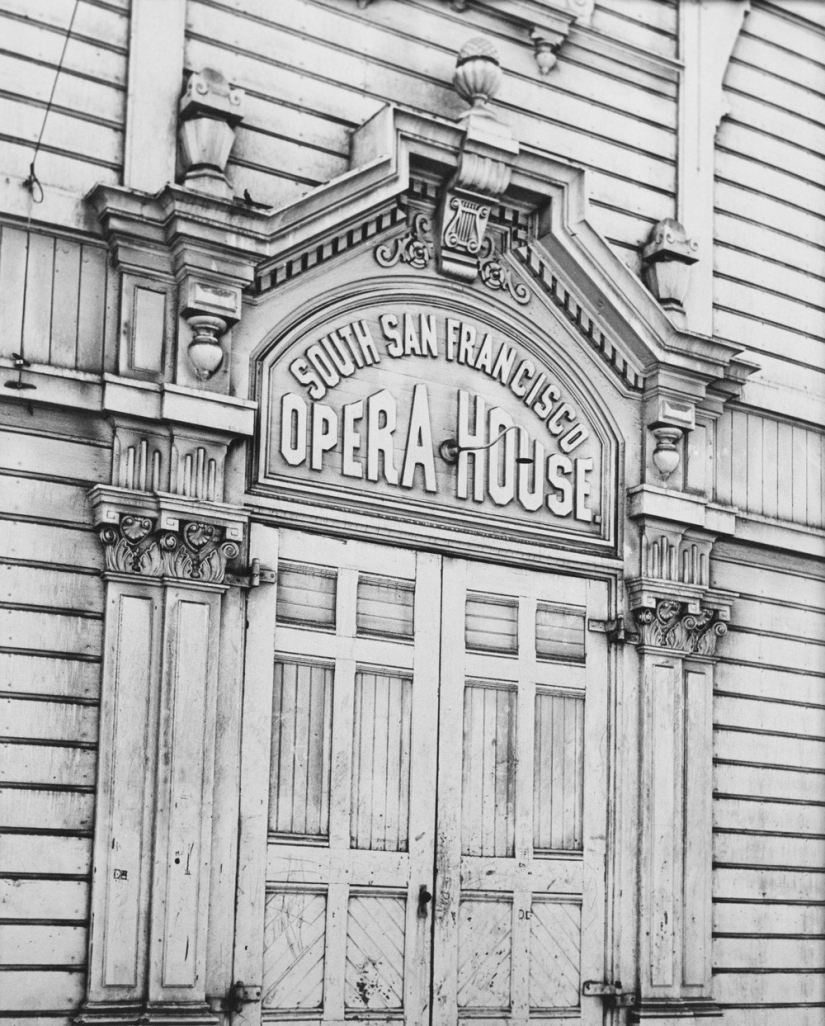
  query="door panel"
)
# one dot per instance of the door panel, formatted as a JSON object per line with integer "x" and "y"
{"x": 352, "y": 793}
{"x": 519, "y": 850}
{"x": 438, "y": 726}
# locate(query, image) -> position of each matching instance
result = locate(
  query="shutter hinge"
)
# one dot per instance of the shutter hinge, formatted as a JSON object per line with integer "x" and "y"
{"x": 615, "y": 631}
{"x": 251, "y": 578}
{"x": 611, "y": 993}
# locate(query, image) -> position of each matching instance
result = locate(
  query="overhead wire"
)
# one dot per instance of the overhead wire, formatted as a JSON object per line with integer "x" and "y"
{"x": 33, "y": 181}
{"x": 35, "y": 188}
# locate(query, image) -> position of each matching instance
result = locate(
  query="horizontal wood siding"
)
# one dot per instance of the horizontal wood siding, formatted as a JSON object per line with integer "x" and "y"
{"x": 769, "y": 261}
{"x": 51, "y": 627}
{"x": 616, "y": 119}
{"x": 769, "y": 791}
{"x": 82, "y": 139}
{"x": 770, "y": 467}
{"x": 59, "y": 300}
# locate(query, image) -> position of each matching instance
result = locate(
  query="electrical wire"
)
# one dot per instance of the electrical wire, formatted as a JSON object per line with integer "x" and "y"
{"x": 32, "y": 183}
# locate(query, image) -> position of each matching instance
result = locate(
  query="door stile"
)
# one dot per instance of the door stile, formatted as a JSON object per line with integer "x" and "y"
{"x": 340, "y": 797}
{"x": 256, "y": 750}
{"x": 427, "y": 662}
{"x": 448, "y": 808}
{"x": 594, "y": 953}
{"x": 525, "y": 745}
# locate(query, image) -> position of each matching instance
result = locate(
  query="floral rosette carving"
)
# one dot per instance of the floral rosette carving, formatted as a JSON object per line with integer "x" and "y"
{"x": 196, "y": 552}
{"x": 497, "y": 277}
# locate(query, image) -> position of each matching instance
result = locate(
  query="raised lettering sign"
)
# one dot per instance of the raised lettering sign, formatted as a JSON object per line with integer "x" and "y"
{"x": 437, "y": 410}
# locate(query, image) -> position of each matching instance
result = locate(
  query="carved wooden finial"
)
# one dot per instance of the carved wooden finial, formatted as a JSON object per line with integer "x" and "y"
{"x": 477, "y": 76}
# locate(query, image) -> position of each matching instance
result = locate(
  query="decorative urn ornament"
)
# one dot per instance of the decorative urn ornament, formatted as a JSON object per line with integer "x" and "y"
{"x": 477, "y": 76}
{"x": 666, "y": 261}
{"x": 666, "y": 456}
{"x": 205, "y": 350}
{"x": 210, "y": 111}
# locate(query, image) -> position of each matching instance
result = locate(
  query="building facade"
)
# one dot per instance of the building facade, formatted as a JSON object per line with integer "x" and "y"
{"x": 411, "y": 480}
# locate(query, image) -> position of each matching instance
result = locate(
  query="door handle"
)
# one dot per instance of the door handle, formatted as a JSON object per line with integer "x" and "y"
{"x": 424, "y": 899}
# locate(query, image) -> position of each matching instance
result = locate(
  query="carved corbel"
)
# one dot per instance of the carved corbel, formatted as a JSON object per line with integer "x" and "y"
{"x": 484, "y": 166}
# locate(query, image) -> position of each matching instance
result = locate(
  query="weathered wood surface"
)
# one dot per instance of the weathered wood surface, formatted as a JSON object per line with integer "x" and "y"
{"x": 770, "y": 158}
{"x": 51, "y": 605}
{"x": 769, "y": 782}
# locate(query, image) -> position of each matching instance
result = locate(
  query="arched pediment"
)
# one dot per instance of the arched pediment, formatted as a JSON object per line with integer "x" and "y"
{"x": 387, "y": 396}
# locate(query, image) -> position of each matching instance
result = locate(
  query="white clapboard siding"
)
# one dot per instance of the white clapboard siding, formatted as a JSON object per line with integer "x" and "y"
{"x": 789, "y": 1014}
{"x": 82, "y": 140}
{"x": 51, "y": 635}
{"x": 30, "y": 809}
{"x": 769, "y": 782}
{"x": 49, "y": 945}
{"x": 57, "y": 589}
{"x": 769, "y": 290}
{"x": 32, "y": 853}
{"x": 588, "y": 120}
{"x": 651, "y": 27}
{"x": 770, "y": 816}
{"x": 41, "y": 990}
{"x": 740, "y": 918}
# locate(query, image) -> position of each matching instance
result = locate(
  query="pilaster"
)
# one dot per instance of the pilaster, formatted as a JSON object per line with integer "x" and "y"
{"x": 166, "y": 571}
{"x": 681, "y": 619}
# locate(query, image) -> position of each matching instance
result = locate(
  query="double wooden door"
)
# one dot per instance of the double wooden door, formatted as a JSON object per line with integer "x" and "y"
{"x": 437, "y": 809}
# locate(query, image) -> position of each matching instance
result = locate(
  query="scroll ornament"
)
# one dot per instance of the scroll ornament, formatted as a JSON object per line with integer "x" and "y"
{"x": 671, "y": 625}
{"x": 414, "y": 248}
{"x": 195, "y": 552}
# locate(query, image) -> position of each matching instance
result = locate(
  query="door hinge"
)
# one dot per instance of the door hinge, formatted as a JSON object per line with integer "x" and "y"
{"x": 243, "y": 994}
{"x": 611, "y": 993}
{"x": 252, "y": 577}
{"x": 615, "y": 631}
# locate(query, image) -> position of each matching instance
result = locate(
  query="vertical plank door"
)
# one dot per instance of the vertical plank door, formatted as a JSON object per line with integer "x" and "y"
{"x": 352, "y": 784}
{"x": 522, "y": 782}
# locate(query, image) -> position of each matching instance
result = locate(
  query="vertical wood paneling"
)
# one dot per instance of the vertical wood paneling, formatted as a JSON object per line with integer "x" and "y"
{"x": 126, "y": 771}
{"x": 301, "y": 743}
{"x": 66, "y": 299}
{"x": 488, "y": 774}
{"x": 67, "y": 289}
{"x": 381, "y": 762}
{"x": 13, "y": 252}
{"x": 37, "y": 314}
{"x": 770, "y": 467}
{"x": 558, "y": 772}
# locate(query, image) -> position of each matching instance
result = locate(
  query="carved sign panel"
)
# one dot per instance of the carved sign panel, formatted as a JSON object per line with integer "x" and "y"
{"x": 424, "y": 411}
